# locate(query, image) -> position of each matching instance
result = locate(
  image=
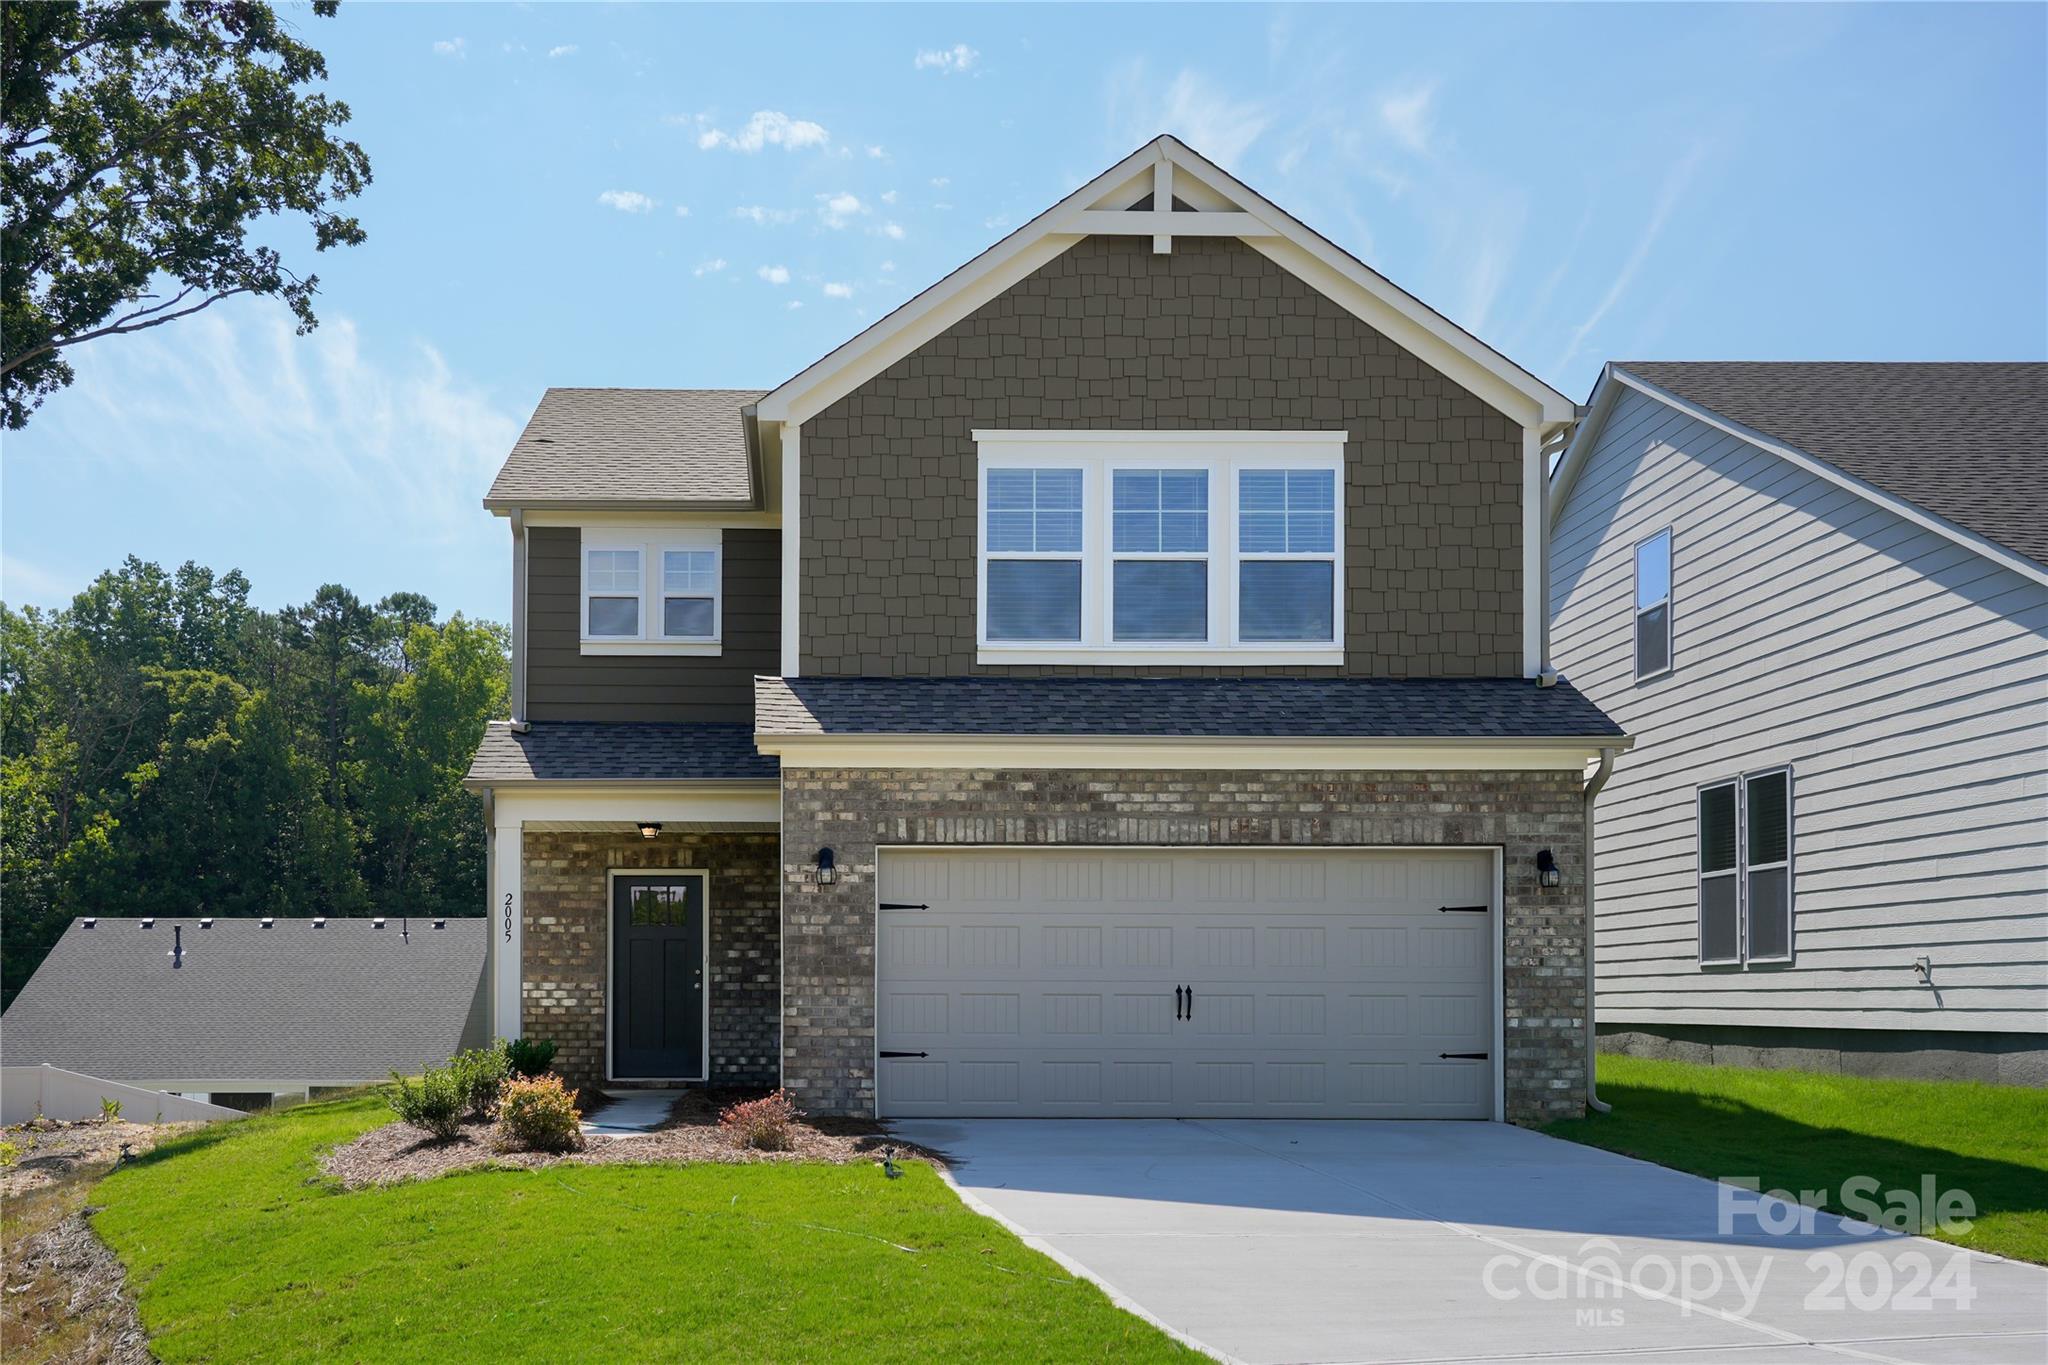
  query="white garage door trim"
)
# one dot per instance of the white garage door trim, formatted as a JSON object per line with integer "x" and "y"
{"x": 1496, "y": 910}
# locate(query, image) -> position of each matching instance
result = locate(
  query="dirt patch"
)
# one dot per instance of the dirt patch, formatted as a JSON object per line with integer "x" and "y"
{"x": 397, "y": 1152}
{"x": 53, "y": 1152}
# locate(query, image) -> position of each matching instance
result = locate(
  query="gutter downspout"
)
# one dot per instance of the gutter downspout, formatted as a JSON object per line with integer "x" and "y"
{"x": 519, "y": 722}
{"x": 1593, "y": 786}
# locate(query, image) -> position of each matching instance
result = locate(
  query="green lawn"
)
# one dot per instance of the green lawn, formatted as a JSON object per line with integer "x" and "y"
{"x": 239, "y": 1249}
{"x": 1798, "y": 1130}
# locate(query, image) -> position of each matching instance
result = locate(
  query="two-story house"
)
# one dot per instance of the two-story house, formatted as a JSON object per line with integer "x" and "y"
{"x": 1816, "y": 594}
{"x": 1111, "y": 684}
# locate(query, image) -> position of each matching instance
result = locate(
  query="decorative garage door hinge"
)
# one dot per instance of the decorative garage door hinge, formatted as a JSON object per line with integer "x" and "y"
{"x": 902, "y": 905}
{"x": 1458, "y": 1056}
{"x": 906, "y": 1054}
{"x": 1462, "y": 909}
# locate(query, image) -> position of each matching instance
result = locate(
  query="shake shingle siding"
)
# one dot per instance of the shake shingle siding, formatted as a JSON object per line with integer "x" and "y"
{"x": 1211, "y": 335}
{"x": 564, "y": 684}
{"x": 1903, "y": 676}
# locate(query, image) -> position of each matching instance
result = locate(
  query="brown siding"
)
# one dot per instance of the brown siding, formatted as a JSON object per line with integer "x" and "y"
{"x": 564, "y": 684}
{"x": 1211, "y": 335}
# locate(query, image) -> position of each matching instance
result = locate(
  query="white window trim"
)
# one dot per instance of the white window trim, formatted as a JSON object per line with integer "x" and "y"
{"x": 1636, "y": 609}
{"x": 1222, "y": 454}
{"x": 651, "y": 542}
{"x": 1740, "y": 872}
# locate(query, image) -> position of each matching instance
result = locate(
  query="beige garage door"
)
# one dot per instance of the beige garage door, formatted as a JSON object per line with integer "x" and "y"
{"x": 1157, "y": 983}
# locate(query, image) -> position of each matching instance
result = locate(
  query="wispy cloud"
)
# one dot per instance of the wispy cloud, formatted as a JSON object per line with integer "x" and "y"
{"x": 1190, "y": 106}
{"x": 835, "y": 290}
{"x": 762, "y": 216}
{"x": 452, "y": 47}
{"x": 940, "y": 182}
{"x": 1409, "y": 115}
{"x": 774, "y": 274}
{"x": 794, "y": 304}
{"x": 893, "y": 231}
{"x": 837, "y": 210}
{"x": 888, "y": 196}
{"x": 875, "y": 153}
{"x": 563, "y": 50}
{"x": 627, "y": 201}
{"x": 23, "y": 583}
{"x": 767, "y": 128}
{"x": 947, "y": 61}
{"x": 1676, "y": 181}
{"x": 710, "y": 267}
{"x": 682, "y": 210}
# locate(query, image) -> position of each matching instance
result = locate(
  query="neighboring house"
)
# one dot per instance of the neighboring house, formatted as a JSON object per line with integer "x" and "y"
{"x": 1107, "y": 685}
{"x": 249, "y": 1010}
{"x": 1817, "y": 596}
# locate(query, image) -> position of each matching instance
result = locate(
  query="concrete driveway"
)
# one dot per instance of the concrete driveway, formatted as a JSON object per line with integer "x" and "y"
{"x": 1279, "y": 1241}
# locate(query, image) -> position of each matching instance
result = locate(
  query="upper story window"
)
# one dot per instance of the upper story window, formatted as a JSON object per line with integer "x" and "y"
{"x": 1160, "y": 547}
{"x": 1653, "y": 605}
{"x": 1745, "y": 861}
{"x": 650, "y": 590}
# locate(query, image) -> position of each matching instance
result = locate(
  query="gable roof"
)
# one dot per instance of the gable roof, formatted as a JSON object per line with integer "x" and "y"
{"x": 1202, "y": 200}
{"x": 643, "y": 449}
{"x": 580, "y": 751}
{"x": 341, "y": 1003}
{"x": 1206, "y": 708}
{"x": 1959, "y": 446}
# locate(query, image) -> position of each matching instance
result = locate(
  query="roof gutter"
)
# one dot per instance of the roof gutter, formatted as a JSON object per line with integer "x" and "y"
{"x": 1593, "y": 786}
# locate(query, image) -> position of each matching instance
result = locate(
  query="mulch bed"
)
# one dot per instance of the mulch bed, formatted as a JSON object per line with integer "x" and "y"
{"x": 53, "y": 1151}
{"x": 398, "y": 1152}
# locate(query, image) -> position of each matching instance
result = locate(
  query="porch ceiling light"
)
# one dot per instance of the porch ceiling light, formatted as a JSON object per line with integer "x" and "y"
{"x": 649, "y": 828}
{"x": 828, "y": 868}
{"x": 1547, "y": 873}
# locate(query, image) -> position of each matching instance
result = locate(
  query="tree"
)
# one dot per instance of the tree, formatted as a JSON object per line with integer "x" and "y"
{"x": 143, "y": 139}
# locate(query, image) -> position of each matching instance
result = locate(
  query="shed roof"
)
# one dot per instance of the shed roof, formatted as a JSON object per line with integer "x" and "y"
{"x": 631, "y": 448}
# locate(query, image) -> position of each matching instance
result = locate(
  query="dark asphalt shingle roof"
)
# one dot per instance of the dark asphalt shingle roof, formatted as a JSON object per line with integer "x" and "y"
{"x": 1965, "y": 441}
{"x": 345, "y": 1002}
{"x": 630, "y": 447}
{"x": 575, "y": 751}
{"x": 1295, "y": 708}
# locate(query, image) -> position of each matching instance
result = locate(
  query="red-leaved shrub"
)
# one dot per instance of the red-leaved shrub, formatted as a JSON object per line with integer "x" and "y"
{"x": 762, "y": 1124}
{"x": 538, "y": 1115}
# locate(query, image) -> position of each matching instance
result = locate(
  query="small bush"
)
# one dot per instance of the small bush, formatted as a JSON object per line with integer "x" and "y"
{"x": 762, "y": 1124}
{"x": 435, "y": 1102}
{"x": 538, "y": 1115}
{"x": 530, "y": 1057}
{"x": 481, "y": 1072}
{"x": 109, "y": 1109}
{"x": 9, "y": 1153}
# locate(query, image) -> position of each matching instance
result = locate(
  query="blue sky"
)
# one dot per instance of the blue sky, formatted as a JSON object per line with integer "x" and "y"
{"x": 661, "y": 195}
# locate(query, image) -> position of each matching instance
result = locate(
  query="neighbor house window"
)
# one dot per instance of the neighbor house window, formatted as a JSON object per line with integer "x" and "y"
{"x": 1034, "y": 554}
{"x": 1148, "y": 547}
{"x": 1287, "y": 554}
{"x": 1653, "y": 605}
{"x": 651, "y": 589}
{"x": 1160, "y": 535}
{"x": 1745, "y": 861}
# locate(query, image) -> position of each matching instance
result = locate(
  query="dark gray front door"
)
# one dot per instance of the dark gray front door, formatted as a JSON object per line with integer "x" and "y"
{"x": 658, "y": 976}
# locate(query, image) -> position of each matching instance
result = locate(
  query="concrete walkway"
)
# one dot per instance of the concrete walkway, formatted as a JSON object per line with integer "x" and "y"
{"x": 1284, "y": 1241}
{"x": 629, "y": 1113}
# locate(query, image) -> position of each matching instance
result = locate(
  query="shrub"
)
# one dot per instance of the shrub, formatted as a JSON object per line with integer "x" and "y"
{"x": 109, "y": 1109}
{"x": 530, "y": 1056}
{"x": 538, "y": 1115}
{"x": 762, "y": 1124}
{"x": 9, "y": 1153}
{"x": 480, "y": 1072}
{"x": 435, "y": 1102}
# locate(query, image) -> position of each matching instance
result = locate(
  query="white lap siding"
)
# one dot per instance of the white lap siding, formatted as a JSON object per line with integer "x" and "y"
{"x": 1904, "y": 677}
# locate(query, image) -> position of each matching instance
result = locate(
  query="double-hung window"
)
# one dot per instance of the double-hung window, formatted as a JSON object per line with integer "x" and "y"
{"x": 1170, "y": 548}
{"x": 1653, "y": 605}
{"x": 1745, "y": 869}
{"x": 650, "y": 590}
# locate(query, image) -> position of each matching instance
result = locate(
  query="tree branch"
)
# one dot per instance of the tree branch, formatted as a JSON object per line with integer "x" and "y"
{"x": 125, "y": 325}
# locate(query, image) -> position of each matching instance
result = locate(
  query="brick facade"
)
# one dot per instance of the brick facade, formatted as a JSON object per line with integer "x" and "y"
{"x": 564, "y": 936}
{"x": 1111, "y": 334}
{"x": 828, "y": 1013}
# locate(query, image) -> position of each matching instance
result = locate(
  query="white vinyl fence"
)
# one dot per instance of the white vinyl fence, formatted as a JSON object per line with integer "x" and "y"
{"x": 26, "y": 1091}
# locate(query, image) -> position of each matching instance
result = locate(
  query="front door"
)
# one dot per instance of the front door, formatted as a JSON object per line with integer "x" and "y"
{"x": 658, "y": 976}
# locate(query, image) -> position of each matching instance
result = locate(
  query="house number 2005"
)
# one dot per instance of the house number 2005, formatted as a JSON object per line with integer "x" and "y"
{"x": 508, "y": 917}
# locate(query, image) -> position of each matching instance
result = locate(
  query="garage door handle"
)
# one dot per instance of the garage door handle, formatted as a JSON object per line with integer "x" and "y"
{"x": 1191, "y": 1003}
{"x": 1459, "y": 1056}
{"x": 1180, "y": 1001}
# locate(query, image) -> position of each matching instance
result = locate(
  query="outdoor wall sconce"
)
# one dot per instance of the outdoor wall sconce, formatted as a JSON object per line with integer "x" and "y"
{"x": 828, "y": 868}
{"x": 1547, "y": 873}
{"x": 649, "y": 828}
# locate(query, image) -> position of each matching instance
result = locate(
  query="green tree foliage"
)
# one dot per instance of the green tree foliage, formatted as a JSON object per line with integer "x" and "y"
{"x": 165, "y": 748}
{"x": 143, "y": 140}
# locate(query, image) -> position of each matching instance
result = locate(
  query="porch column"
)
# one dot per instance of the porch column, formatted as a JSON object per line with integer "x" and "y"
{"x": 505, "y": 916}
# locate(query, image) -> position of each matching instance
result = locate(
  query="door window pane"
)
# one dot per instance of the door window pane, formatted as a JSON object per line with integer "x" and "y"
{"x": 1286, "y": 600}
{"x": 1034, "y": 599}
{"x": 1162, "y": 599}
